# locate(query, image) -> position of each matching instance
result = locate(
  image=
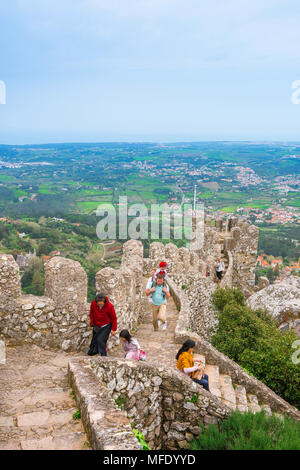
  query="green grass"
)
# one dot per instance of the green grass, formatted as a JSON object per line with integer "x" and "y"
{"x": 76, "y": 415}
{"x": 89, "y": 206}
{"x": 248, "y": 431}
{"x": 229, "y": 209}
{"x": 294, "y": 202}
{"x": 92, "y": 192}
{"x": 194, "y": 399}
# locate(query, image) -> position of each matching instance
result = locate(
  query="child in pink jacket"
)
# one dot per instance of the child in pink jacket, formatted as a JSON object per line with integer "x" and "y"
{"x": 130, "y": 345}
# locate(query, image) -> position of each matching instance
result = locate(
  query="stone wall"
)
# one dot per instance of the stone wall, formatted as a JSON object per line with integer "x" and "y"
{"x": 180, "y": 260}
{"x": 244, "y": 252}
{"x": 239, "y": 242}
{"x": 60, "y": 318}
{"x": 163, "y": 404}
{"x": 124, "y": 288}
{"x": 198, "y": 289}
{"x": 10, "y": 285}
{"x": 107, "y": 427}
{"x": 227, "y": 280}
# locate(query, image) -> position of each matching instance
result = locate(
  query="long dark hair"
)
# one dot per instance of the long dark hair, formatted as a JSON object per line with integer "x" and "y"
{"x": 100, "y": 297}
{"x": 125, "y": 334}
{"x": 189, "y": 343}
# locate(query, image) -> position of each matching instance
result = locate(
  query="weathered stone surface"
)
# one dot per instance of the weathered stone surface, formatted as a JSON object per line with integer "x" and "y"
{"x": 10, "y": 286}
{"x": 107, "y": 426}
{"x": 157, "y": 415}
{"x": 282, "y": 300}
{"x": 33, "y": 419}
{"x": 36, "y": 407}
{"x": 6, "y": 421}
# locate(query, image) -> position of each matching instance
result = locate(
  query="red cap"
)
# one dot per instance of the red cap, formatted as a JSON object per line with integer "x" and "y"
{"x": 163, "y": 264}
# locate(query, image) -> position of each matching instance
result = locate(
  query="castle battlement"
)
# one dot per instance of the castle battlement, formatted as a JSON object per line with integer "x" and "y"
{"x": 60, "y": 317}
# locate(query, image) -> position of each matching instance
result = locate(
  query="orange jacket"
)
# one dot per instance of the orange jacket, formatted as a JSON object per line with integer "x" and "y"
{"x": 185, "y": 361}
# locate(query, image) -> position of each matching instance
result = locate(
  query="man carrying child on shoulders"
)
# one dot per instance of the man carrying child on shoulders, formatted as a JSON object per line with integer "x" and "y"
{"x": 158, "y": 292}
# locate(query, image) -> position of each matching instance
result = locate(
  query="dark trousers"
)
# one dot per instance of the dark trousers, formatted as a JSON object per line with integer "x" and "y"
{"x": 219, "y": 274}
{"x": 203, "y": 382}
{"x": 99, "y": 340}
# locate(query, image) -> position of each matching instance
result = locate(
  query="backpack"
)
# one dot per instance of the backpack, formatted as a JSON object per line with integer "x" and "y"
{"x": 154, "y": 284}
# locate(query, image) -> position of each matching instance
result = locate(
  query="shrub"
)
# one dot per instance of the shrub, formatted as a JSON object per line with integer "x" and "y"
{"x": 248, "y": 431}
{"x": 251, "y": 338}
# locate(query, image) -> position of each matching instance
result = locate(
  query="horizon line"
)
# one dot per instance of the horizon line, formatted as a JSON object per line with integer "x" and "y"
{"x": 158, "y": 142}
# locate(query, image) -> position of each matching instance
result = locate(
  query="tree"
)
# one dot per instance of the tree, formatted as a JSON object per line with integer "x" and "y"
{"x": 38, "y": 283}
{"x": 44, "y": 249}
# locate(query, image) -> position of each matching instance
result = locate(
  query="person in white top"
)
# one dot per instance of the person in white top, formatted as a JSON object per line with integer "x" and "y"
{"x": 220, "y": 268}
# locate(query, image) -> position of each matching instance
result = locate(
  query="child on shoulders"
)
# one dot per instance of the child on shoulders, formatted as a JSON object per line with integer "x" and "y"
{"x": 161, "y": 270}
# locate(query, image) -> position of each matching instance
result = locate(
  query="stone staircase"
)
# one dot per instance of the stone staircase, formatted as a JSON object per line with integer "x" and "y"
{"x": 36, "y": 406}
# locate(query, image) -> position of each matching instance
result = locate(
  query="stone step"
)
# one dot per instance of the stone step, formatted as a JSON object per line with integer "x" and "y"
{"x": 214, "y": 379}
{"x": 253, "y": 403}
{"x": 227, "y": 391}
{"x": 64, "y": 441}
{"x": 241, "y": 398}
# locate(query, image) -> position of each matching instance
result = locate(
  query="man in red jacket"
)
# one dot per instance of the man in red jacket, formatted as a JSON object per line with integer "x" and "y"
{"x": 104, "y": 321}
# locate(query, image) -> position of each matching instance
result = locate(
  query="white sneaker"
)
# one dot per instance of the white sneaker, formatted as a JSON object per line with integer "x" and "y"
{"x": 164, "y": 327}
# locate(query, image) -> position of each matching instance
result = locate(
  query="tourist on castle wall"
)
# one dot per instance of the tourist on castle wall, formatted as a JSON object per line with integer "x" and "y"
{"x": 104, "y": 321}
{"x": 220, "y": 268}
{"x": 131, "y": 347}
{"x": 158, "y": 293}
{"x": 186, "y": 364}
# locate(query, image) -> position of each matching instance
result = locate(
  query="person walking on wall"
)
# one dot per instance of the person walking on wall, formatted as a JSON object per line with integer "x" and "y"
{"x": 103, "y": 319}
{"x": 220, "y": 268}
{"x": 186, "y": 364}
{"x": 158, "y": 293}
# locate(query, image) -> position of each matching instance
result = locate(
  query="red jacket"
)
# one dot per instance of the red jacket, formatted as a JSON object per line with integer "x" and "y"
{"x": 103, "y": 316}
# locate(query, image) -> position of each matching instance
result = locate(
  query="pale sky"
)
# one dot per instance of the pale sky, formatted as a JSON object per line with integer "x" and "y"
{"x": 149, "y": 70}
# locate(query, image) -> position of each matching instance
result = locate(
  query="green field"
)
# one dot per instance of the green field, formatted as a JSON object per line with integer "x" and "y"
{"x": 229, "y": 209}
{"x": 5, "y": 178}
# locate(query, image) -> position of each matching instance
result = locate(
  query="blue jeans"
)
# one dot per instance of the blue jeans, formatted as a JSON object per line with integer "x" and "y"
{"x": 203, "y": 382}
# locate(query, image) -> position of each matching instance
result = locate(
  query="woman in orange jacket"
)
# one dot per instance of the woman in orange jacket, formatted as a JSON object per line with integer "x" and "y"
{"x": 186, "y": 364}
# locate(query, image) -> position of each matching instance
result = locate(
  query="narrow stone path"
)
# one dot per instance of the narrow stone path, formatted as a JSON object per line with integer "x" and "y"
{"x": 36, "y": 406}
